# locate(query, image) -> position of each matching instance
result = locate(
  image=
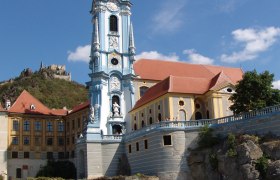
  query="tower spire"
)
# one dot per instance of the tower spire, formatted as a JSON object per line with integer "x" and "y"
{"x": 131, "y": 40}
{"x": 96, "y": 42}
{"x": 42, "y": 65}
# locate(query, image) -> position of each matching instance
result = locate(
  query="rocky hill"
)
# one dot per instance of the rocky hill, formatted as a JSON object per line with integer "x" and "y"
{"x": 242, "y": 157}
{"x": 42, "y": 84}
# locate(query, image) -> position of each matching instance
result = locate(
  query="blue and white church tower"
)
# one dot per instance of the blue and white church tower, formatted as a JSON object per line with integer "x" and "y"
{"x": 111, "y": 66}
{"x": 111, "y": 89}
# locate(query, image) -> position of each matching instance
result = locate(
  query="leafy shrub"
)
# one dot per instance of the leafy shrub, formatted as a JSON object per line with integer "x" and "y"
{"x": 261, "y": 166}
{"x": 213, "y": 160}
{"x": 231, "y": 140}
{"x": 231, "y": 144}
{"x": 206, "y": 138}
{"x": 63, "y": 169}
{"x": 139, "y": 175}
{"x": 231, "y": 152}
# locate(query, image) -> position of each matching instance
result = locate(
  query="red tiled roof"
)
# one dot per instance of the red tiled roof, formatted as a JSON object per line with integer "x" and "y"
{"x": 80, "y": 107}
{"x": 234, "y": 74}
{"x": 174, "y": 84}
{"x": 59, "y": 112}
{"x": 25, "y": 101}
{"x": 188, "y": 85}
{"x": 159, "y": 70}
{"x": 180, "y": 77}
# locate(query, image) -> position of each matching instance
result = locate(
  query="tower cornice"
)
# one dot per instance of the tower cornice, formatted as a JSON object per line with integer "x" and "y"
{"x": 100, "y": 6}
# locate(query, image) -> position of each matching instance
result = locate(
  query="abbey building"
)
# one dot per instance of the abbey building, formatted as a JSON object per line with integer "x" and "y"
{"x": 128, "y": 101}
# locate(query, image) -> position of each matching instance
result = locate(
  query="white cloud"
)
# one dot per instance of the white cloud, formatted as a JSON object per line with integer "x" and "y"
{"x": 82, "y": 53}
{"x": 169, "y": 16}
{"x": 196, "y": 58}
{"x": 276, "y": 84}
{"x": 157, "y": 55}
{"x": 254, "y": 41}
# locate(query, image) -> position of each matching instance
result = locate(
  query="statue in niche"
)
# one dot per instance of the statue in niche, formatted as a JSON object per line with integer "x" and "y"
{"x": 91, "y": 116}
{"x": 116, "y": 109}
{"x": 123, "y": 129}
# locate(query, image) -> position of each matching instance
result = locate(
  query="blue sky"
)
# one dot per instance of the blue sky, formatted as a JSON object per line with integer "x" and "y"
{"x": 236, "y": 33}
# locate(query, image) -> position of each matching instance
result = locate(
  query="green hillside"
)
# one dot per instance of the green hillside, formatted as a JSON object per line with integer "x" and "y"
{"x": 54, "y": 93}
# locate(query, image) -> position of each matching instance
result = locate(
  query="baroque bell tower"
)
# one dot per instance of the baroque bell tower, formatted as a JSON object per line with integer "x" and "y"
{"x": 111, "y": 68}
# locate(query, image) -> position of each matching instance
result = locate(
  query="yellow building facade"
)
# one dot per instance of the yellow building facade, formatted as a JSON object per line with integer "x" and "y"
{"x": 32, "y": 134}
{"x": 173, "y": 91}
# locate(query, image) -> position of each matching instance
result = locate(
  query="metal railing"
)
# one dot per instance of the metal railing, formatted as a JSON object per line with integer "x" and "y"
{"x": 248, "y": 115}
{"x": 200, "y": 123}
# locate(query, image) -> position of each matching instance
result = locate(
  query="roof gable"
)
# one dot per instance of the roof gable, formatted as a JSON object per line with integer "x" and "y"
{"x": 233, "y": 75}
{"x": 220, "y": 81}
{"x": 28, "y": 104}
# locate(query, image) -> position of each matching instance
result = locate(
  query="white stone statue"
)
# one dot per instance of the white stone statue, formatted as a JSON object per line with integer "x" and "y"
{"x": 116, "y": 109}
{"x": 91, "y": 116}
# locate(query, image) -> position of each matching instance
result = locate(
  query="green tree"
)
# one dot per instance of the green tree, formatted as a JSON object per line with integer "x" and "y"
{"x": 254, "y": 92}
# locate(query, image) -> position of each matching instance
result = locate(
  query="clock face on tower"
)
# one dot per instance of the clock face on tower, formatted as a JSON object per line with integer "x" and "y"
{"x": 115, "y": 61}
{"x": 115, "y": 83}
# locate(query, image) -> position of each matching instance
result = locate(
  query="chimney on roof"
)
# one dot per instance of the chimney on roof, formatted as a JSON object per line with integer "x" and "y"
{"x": 7, "y": 104}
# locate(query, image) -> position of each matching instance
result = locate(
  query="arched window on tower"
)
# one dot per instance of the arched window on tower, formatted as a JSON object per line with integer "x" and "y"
{"x": 143, "y": 89}
{"x": 113, "y": 23}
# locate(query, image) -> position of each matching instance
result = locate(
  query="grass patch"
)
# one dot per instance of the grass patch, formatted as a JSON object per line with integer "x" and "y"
{"x": 262, "y": 165}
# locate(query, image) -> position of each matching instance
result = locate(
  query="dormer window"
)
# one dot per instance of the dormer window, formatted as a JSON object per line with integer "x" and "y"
{"x": 32, "y": 107}
{"x": 113, "y": 23}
